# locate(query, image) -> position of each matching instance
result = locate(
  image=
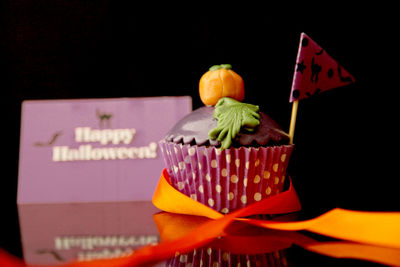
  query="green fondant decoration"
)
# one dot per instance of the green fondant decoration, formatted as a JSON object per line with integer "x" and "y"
{"x": 222, "y": 66}
{"x": 233, "y": 116}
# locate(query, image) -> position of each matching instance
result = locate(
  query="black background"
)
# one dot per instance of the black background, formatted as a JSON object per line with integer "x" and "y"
{"x": 346, "y": 139}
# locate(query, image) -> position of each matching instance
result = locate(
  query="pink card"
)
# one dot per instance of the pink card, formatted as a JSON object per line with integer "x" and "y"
{"x": 94, "y": 150}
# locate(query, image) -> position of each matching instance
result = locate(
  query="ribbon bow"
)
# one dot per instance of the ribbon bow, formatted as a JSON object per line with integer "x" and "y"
{"x": 377, "y": 233}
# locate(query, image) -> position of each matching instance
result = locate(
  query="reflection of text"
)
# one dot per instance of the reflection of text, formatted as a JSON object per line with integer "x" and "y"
{"x": 104, "y": 254}
{"x": 92, "y": 242}
{"x": 103, "y": 247}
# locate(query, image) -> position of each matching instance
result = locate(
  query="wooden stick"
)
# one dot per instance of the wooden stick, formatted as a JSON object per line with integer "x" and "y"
{"x": 293, "y": 120}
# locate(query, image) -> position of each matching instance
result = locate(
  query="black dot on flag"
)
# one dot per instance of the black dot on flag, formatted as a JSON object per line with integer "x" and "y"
{"x": 304, "y": 42}
{"x": 296, "y": 93}
{"x": 330, "y": 73}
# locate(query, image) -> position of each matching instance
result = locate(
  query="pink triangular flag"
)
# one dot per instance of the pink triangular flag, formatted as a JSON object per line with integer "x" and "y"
{"x": 316, "y": 71}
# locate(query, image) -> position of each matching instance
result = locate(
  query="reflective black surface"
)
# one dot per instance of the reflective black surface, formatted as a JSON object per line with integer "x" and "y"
{"x": 346, "y": 140}
{"x": 61, "y": 233}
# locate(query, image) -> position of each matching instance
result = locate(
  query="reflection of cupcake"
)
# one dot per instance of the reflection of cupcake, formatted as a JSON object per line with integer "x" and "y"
{"x": 264, "y": 247}
{"x": 228, "y": 155}
{"x": 217, "y": 257}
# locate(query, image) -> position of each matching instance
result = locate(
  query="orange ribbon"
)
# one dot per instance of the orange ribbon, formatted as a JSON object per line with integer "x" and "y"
{"x": 167, "y": 198}
{"x": 377, "y": 233}
{"x": 375, "y": 228}
{"x": 261, "y": 241}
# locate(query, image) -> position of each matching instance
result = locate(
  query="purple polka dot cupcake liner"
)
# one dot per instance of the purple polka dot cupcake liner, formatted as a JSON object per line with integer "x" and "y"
{"x": 217, "y": 257}
{"x": 229, "y": 179}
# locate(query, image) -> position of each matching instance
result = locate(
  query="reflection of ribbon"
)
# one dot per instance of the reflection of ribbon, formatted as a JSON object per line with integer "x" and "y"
{"x": 262, "y": 241}
{"x": 377, "y": 233}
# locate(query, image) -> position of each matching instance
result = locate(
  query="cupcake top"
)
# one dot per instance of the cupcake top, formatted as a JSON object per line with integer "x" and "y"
{"x": 195, "y": 127}
{"x": 225, "y": 121}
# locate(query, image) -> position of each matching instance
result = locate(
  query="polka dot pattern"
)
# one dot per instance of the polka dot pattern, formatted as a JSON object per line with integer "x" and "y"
{"x": 257, "y": 196}
{"x": 228, "y": 179}
{"x": 218, "y": 188}
{"x": 234, "y": 178}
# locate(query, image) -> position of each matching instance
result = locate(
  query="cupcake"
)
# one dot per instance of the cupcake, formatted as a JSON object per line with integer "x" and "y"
{"x": 227, "y": 154}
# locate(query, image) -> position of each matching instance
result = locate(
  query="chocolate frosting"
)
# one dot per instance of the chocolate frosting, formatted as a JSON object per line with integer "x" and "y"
{"x": 193, "y": 129}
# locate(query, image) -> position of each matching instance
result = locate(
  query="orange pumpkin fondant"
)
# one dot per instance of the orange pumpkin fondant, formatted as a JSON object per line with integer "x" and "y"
{"x": 220, "y": 81}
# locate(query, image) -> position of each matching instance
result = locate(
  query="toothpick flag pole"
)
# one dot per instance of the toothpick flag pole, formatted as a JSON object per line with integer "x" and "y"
{"x": 295, "y": 106}
{"x": 315, "y": 72}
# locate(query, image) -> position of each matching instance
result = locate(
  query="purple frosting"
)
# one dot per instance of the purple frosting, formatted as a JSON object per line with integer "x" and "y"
{"x": 193, "y": 129}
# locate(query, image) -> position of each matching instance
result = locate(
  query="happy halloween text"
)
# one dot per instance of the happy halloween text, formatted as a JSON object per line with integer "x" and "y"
{"x": 104, "y": 137}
